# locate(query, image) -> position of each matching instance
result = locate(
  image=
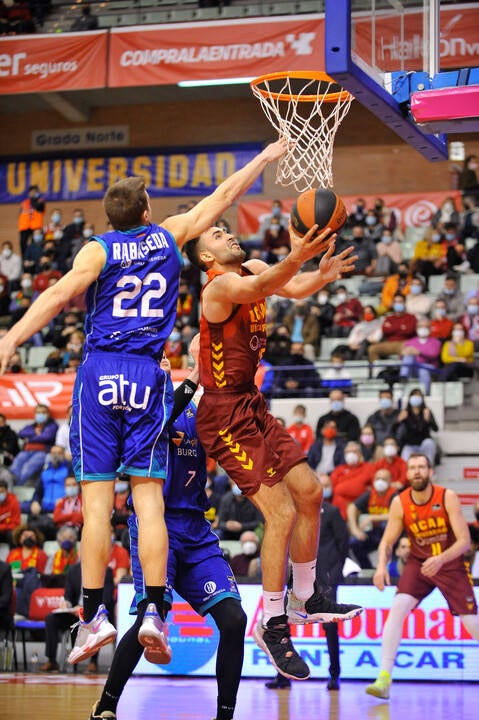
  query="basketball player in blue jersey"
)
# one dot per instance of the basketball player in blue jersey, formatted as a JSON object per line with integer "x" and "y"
{"x": 196, "y": 568}
{"x": 122, "y": 399}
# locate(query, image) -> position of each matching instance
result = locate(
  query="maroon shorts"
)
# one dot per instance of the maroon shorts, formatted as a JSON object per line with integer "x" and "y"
{"x": 238, "y": 431}
{"x": 453, "y": 580}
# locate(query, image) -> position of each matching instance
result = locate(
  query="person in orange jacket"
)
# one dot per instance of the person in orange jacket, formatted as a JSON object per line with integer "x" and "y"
{"x": 31, "y": 216}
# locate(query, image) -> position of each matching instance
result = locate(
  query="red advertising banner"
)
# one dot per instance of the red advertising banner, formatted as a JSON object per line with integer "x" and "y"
{"x": 47, "y": 63}
{"x": 411, "y": 209}
{"x": 167, "y": 54}
{"x": 21, "y": 393}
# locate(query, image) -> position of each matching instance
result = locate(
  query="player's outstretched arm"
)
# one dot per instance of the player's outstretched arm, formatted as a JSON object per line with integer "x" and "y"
{"x": 392, "y": 531}
{"x": 331, "y": 268}
{"x": 189, "y": 225}
{"x": 86, "y": 268}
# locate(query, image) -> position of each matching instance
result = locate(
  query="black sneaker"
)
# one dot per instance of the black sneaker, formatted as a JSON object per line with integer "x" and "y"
{"x": 278, "y": 683}
{"x": 318, "y": 609}
{"x": 105, "y": 715}
{"x": 275, "y": 640}
{"x": 333, "y": 684}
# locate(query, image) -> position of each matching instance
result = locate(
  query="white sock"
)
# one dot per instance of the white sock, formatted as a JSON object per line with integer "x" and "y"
{"x": 392, "y": 632}
{"x": 304, "y": 575}
{"x": 273, "y": 605}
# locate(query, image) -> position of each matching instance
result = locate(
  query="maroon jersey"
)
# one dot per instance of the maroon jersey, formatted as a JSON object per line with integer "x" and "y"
{"x": 230, "y": 351}
{"x": 427, "y": 526}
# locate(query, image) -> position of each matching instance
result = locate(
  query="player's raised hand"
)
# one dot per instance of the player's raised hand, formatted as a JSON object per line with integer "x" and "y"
{"x": 332, "y": 266}
{"x": 276, "y": 150}
{"x": 306, "y": 247}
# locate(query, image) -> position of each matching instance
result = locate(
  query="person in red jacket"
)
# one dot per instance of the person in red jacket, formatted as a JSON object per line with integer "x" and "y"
{"x": 393, "y": 462}
{"x": 300, "y": 430}
{"x": 9, "y": 513}
{"x": 351, "y": 479}
{"x": 28, "y": 552}
{"x": 68, "y": 509}
{"x": 397, "y": 327}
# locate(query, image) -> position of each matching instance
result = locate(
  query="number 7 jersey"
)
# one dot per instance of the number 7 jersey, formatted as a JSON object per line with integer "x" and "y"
{"x": 131, "y": 308}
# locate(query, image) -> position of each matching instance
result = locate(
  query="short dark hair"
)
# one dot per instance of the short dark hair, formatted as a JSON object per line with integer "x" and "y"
{"x": 125, "y": 202}
{"x": 420, "y": 455}
{"x": 192, "y": 250}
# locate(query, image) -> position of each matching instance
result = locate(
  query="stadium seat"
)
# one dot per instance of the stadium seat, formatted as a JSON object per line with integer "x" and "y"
{"x": 37, "y": 356}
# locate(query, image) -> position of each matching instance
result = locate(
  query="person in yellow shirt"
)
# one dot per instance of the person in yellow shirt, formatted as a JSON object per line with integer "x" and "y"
{"x": 430, "y": 255}
{"x": 457, "y": 355}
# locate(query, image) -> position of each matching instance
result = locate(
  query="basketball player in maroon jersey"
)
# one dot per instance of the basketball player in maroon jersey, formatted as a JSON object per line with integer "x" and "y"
{"x": 439, "y": 536}
{"x": 237, "y": 430}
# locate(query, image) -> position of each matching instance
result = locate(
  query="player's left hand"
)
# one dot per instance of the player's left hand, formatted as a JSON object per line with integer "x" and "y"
{"x": 332, "y": 266}
{"x": 7, "y": 349}
{"x": 432, "y": 565}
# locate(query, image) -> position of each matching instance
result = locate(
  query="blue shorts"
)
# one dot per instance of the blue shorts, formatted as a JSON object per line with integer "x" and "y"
{"x": 120, "y": 407}
{"x": 197, "y": 569}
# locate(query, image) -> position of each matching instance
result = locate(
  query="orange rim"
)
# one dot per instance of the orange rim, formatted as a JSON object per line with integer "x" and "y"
{"x": 304, "y": 75}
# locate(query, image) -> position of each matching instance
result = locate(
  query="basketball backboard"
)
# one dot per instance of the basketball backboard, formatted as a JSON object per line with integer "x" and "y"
{"x": 383, "y": 51}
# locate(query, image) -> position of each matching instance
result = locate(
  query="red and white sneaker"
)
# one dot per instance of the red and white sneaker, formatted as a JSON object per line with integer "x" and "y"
{"x": 92, "y": 636}
{"x": 153, "y": 635}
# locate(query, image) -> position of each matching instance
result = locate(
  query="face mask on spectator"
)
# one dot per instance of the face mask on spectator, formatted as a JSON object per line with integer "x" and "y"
{"x": 78, "y": 220}
{"x": 457, "y": 335}
{"x": 440, "y": 312}
{"x": 342, "y": 297}
{"x": 87, "y": 233}
{"x": 380, "y": 485}
{"x": 450, "y": 236}
{"x": 276, "y": 212}
{"x": 398, "y": 307}
{"x": 327, "y": 492}
{"x": 385, "y": 403}
{"x": 390, "y": 450}
{"x": 329, "y": 433}
{"x": 322, "y": 299}
{"x": 29, "y": 542}
{"x": 298, "y": 419}
{"x": 55, "y": 460}
{"x": 473, "y": 309}
{"x": 41, "y": 417}
{"x": 337, "y": 405}
{"x": 3, "y": 497}
{"x": 351, "y": 458}
{"x": 26, "y": 283}
{"x": 6, "y": 252}
{"x": 371, "y": 220}
{"x": 236, "y": 490}
{"x": 367, "y": 439}
{"x": 436, "y": 237}
{"x": 121, "y": 487}
{"x": 175, "y": 336}
{"x": 37, "y": 237}
{"x": 415, "y": 401}
{"x": 67, "y": 545}
{"x": 249, "y": 547}
{"x": 423, "y": 332}
{"x": 56, "y": 217}
{"x": 368, "y": 316}
{"x": 71, "y": 491}
{"x": 386, "y": 239}
{"x": 416, "y": 289}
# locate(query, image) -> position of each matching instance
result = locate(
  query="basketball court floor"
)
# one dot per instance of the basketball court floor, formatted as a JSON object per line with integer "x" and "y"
{"x": 61, "y": 697}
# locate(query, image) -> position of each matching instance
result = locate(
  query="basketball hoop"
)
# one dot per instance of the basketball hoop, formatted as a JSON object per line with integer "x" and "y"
{"x": 306, "y": 108}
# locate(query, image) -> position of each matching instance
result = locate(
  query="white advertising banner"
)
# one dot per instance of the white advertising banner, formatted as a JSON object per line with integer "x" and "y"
{"x": 434, "y": 646}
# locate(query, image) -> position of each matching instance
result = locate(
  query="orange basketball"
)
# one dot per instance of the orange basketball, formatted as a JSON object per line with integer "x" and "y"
{"x": 318, "y": 206}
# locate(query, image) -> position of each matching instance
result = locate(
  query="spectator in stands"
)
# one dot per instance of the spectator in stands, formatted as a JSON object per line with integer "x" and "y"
{"x": 67, "y": 554}
{"x": 347, "y": 313}
{"x": 300, "y": 430}
{"x": 246, "y": 563}
{"x": 383, "y": 419}
{"x": 453, "y": 297}
{"x": 418, "y": 303}
{"x": 86, "y": 21}
{"x": 236, "y": 514}
{"x": 303, "y": 327}
{"x": 327, "y": 451}
{"x": 398, "y": 284}
{"x": 68, "y": 509}
{"x": 27, "y": 551}
{"x": 73, "y": 232}
{"x": 25, "y": 291}
{"x": 187, "y": 307}
{"x": 468, "y": 176}
{"x": 6, "y": 596}
{"x": 54, "y": 229}
{"x": 401, "y": 554}
{"x": 121, "y": 509}
{"x": 457, "y": 355}
{"x": 414, "y": 426}
{"x": 371, "y": 450}
{"x": 365, "y": 249}
{"x": 393, "y": 462}
{"x": 324, "y": 311}
{"x": 337, "y": 375}
{"x": 41, "y": 280}
{"x": 470, "y": 320}
{"x": 441, "y": 324}
{"x": 49, "y": 489}
{"x": 447, "y": 213}
{"x": 15, "y": 365}
{"x": 373, "y": 227}
{"x": 397, "y": 327}
{"x": 368, "y": 330}
{"x": 347, "y": 424}
{"x": 64, "y": 326}
{"x": 389, "y": 253}
{"x": 4, "y": 295}
{"x": 58, "y": 360}
{"x": 457, "y": 257}
{"x": 298, "y": 376}
{"x": 38, "y": 438}
{"x": 9, "y": 513}
{"x": 278, "y": 348}
{"x": 276, "y": 240}
{"x": 358, "y": 214}
{"x": 10, "y": 266}
{"x": 176, "y": 349}
{"x": 420, "y": 355}
{"x": 33, "y": 252}
{"x": 32, "y": 211}
{"x": 430, "y": 255}
{"x": 62, "y": 437}
{"x": 8, "y": 447}
{"x": 119, "y": 561}
{"x": 214, "y": 499}
{"x": 351, "y": 479}
{"x": 277, "y": 213}
{"x": 367, "y": 517}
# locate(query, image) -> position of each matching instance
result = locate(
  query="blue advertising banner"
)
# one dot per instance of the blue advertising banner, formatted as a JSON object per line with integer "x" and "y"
{"x": 175, "y": 173}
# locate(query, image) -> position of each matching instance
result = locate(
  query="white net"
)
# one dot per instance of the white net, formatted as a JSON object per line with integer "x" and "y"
{"x": 306, "y": 109}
